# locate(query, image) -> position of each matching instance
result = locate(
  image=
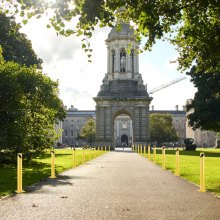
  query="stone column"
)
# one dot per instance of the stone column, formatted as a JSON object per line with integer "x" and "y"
{"x": 131, "y": 129}
{"x": 137, "y": 62}
{"x": 117, "y": 59}
{"x": 117, "y": 129}
{"x": 108, "y": 60}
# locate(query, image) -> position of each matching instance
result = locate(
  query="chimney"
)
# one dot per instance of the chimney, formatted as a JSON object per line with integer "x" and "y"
{"x": 177, "y": 108}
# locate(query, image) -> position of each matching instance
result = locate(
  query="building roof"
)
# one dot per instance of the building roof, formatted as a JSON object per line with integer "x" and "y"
{"x": 81, "y": 113}
{"x": 123, "y": 89}
{"x": 123, "y": 29}
{"x": 92, "y": 112}
{"x": 172, "y": 112}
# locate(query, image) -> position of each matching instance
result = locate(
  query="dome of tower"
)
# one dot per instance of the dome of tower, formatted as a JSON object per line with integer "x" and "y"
{"x": 124, "y": 29}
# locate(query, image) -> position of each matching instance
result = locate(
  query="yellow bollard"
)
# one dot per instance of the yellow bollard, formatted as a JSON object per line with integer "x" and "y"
{"x": 90, "y": 149}
{"x": 144, "y": 150}
{"x": 177, "y": 173}
{"x": 19, "y": 174}
{"x": 74, "y": 157}
{"x": 148, "y": 152}
{"x": 94, "y": 155}
{"x": 155, "y": 153}
{"x": 83, "y": 156}
{"x": 52, "y": 176}
{"x": 202, "y": 172}
{"x": 163, "y": 158}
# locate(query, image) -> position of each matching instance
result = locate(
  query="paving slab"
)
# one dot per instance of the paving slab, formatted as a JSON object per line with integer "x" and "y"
{"x": 117, "y": 185}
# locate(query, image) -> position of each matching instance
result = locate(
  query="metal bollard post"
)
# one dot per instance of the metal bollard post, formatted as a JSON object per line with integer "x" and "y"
{"x": 94, "y": 153}
{"x": 90, "y": 149}
{"x": 82, "y": 155}
{"x": 19, "y": 174}
{"x": 144, "y": 150}
{"x": 155, "y": 153}
{"x": 163, "y": 158}
{"x": 177, "y": 173}
{"x": 148, "y": 152}
{"x": 105, "y": 148}
{"x": 74, "y": 157}
{"x": 52, "y": 176}
{"x": 202, "y": 172}
{"x": 109, "y": 148}
{"x": 140, "y": 149}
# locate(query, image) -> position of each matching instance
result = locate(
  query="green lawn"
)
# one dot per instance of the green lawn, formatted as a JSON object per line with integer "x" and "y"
{"x": 40, "y": 168}
{"x": 190, "y": 166}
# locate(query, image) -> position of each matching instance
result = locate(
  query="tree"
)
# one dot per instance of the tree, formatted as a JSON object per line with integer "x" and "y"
{"x": 88, "y": 131}
{"x": 193, "y": 26}
{"x": 29, "y": 109}
{"x": 205, "y": 107}
{"x": 161, "y": 128}
{"x": 16, "y": 47}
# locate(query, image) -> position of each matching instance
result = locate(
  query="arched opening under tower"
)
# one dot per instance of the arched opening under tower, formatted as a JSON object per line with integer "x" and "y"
{"x": 123, "y": 130}
{"x": 124, "y": 139}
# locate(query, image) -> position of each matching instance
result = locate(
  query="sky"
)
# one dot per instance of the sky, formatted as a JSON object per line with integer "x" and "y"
{"x": 79, "y": 81}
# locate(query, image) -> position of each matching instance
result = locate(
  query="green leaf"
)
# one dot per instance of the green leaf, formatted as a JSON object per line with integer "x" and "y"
{"x": 24, "y": 21}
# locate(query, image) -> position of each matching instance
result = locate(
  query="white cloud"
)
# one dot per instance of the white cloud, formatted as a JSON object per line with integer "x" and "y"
{"x": 80, "y": 80}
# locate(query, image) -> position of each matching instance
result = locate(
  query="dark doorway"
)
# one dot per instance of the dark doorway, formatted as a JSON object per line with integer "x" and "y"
{"x": 124, "y": 139}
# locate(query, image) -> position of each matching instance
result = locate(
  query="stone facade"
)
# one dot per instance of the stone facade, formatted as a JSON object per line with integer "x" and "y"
{"x": 178, "y": 121}
{"x": 122, "y": 91}
{"x": 201, "y": 138}
{"x": 123, "y": 125}
{"x": 73, "y": 124}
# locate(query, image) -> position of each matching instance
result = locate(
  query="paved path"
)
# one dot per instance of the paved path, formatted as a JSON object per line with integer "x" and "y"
{"x": 117, "y": 185}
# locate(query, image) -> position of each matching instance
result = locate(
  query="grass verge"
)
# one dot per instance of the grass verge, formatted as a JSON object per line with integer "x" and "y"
{"x": 190, "y": 166}
{"x": 40, "y": 168}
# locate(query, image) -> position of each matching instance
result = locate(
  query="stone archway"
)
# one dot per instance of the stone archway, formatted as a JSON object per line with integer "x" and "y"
{"x": 108, "y": 110}
{"x": 122, "y": 128}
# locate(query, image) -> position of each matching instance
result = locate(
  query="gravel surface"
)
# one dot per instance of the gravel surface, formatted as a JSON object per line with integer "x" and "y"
{"x": 117, "y": 185}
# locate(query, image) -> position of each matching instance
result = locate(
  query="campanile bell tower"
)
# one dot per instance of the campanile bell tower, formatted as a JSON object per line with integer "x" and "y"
{"x": 122, "y": 91}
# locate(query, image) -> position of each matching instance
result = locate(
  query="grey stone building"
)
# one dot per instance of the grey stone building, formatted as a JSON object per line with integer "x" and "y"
{"x": 73, "y": 124}
{"x": 122, "y": 92}
{"x": 122, "y": 104}
{"x": 178, "y": 121}
{"x": 123, "y": 129}
{"x": 202, "y": 138}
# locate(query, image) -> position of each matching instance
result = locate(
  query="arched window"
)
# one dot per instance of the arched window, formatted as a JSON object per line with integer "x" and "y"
{"x": 113, "y": 61}
{"x": 132, "y": 61}
{"x": 122, "y": 60}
